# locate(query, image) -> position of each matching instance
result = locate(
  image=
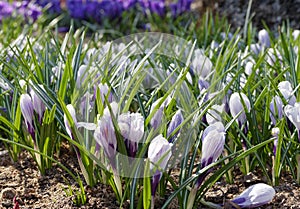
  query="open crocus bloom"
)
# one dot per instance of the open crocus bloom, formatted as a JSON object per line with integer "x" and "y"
{"x": 255, "y": 196}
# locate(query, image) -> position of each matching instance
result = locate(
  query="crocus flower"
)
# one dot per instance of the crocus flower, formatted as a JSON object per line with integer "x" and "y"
{"x": 276, "y": 109}
{"x": 213, "y": 140}
{"x": 132, "y": 129}
{"x": 73, "y": 115}
{"x": 285, "y": 88}
{"x": 201, "y": 65}
{"x": 159, "y": 153}
{"x": 105, "y": 136}
{"x": 255, "y": 196}
{"x": 176, "y": 120}
{"x": 236, "y": 107}
{"x": 38, "y": 104}
{"x": 157, "y": 117}
{"x": 293, "y": 114}
{"x": 296, "y": 34}
{"x": 264, "y": 38}
{"x": 27, "y": 112}
{"x": 214, "y": 114}
{"x": 255, "y": 48}
{"x": 275, "y": 133}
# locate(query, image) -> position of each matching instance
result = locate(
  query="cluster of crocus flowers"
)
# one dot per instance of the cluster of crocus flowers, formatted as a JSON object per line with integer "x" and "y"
{"x": 263, "y": 42}
{"x": 30, "y": 104}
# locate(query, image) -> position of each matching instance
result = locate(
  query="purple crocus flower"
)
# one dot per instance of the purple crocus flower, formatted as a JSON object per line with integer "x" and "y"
{"x": 159, "y": 153}
{"x": 73, "y": 115}
{"x": 157, "y": 117}
{"x": 105, "y": 136}
{"x": 236, "y": 107}
{"x": 276, "y": 109}
{"x": 264, "y": 38}
{"x": 38, "y": 104}
{"x": 176, "y": 121}
{"x": 275, "y": 133}
{"x": 213, "y": 140}
{"x": 132, "y": 129}
{"x": 255, "y": 196}
{"x": 28, "y": 114}
{"x": 293, "y": 114}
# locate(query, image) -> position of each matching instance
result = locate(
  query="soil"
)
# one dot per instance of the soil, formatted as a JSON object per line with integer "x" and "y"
{"x": 35, "y": 191}
{"x": 271, "y": 12}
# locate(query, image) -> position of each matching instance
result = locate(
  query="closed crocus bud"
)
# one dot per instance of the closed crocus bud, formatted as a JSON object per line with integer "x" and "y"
{"x": 81, "y": 75}
{"x": 236, "y": 107}
{"x": 177, "y": 119}
{"x": 132, "y": 129}
{"x": 201, "y": 65}
{"x": 296, "y": 34}
{"x": 285, "y": 88}
{"x": 27, "y": 112}
{"x": 275, "y": 133}
{"x": 293, "y": 114}
{"x": 212, "y": 143}
{"x": 105, "y": 136}
{"x": 248, "y": 68}
{"x": 159, "y": 153}
{"x": 104, "y": 91}
{"x": 264, "y": 38}
{"x": 157, "y": 117}
{"x": 214, "y": 114}
{"x": 276, "y": 109}
{"x": 38, "y": 104}
{"x": 73, "y": 115}
{"x": 255, "y": 48}
{"x": 255, "y": 196}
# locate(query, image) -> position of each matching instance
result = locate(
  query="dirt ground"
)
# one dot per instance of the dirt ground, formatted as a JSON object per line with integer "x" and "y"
{"x": 272, "y": 12}
{"x": 35, "y": 191}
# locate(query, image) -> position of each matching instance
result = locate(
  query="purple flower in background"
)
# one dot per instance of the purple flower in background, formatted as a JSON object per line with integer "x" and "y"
{"x": 255, "y": 196}
{"x": 28, "y": 114}
{"x": 176, "y": 121}
{"x": 54, "y": 5}
{"x": 159, "y": 153}
{"x": 276, "y": 109}
{"x": 6, "y": 9}
{"x": 158, "y": 115}
{"x": 180, "y": 7}
{"x": 132, "y": 129}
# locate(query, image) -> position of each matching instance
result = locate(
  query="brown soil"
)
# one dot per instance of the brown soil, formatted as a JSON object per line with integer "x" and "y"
{"x": 272, "y": 12}
{"x": 35, "y": 191}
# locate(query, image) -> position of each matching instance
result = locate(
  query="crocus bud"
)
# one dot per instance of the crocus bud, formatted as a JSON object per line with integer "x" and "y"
{"x": 275, "y": 133}
{"x": 214, "y": 114}
{"x": 285, "y": 88}
{"x": 132, "y": 129}
{"x": 263, "y": 38}
{"x": 177, "y": 119}
{"x": 27, "y": 112}
{"x": 38, "y": 104}
{"x": 81, "y": 75}
{"x": 157, "y": 117}
{"x": 236, "y": 107}
{"x": 276, "y": 109}
{"x": 255, "y": 48}
{"x": 255, "y": 196}
{"x": 22, "y": 84}
{"x": 73, "y": 115}
{"x": 296, "y": 34}
{"x": 201, "y": 65}
{"x": 293, "y": 114}
{"x": 248, "y": 68}
{"x": 105, "y": 136}
{"x": 159, "y": 153}
{"x": 213, "y": 141}
{"x": 104, "y": 93}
